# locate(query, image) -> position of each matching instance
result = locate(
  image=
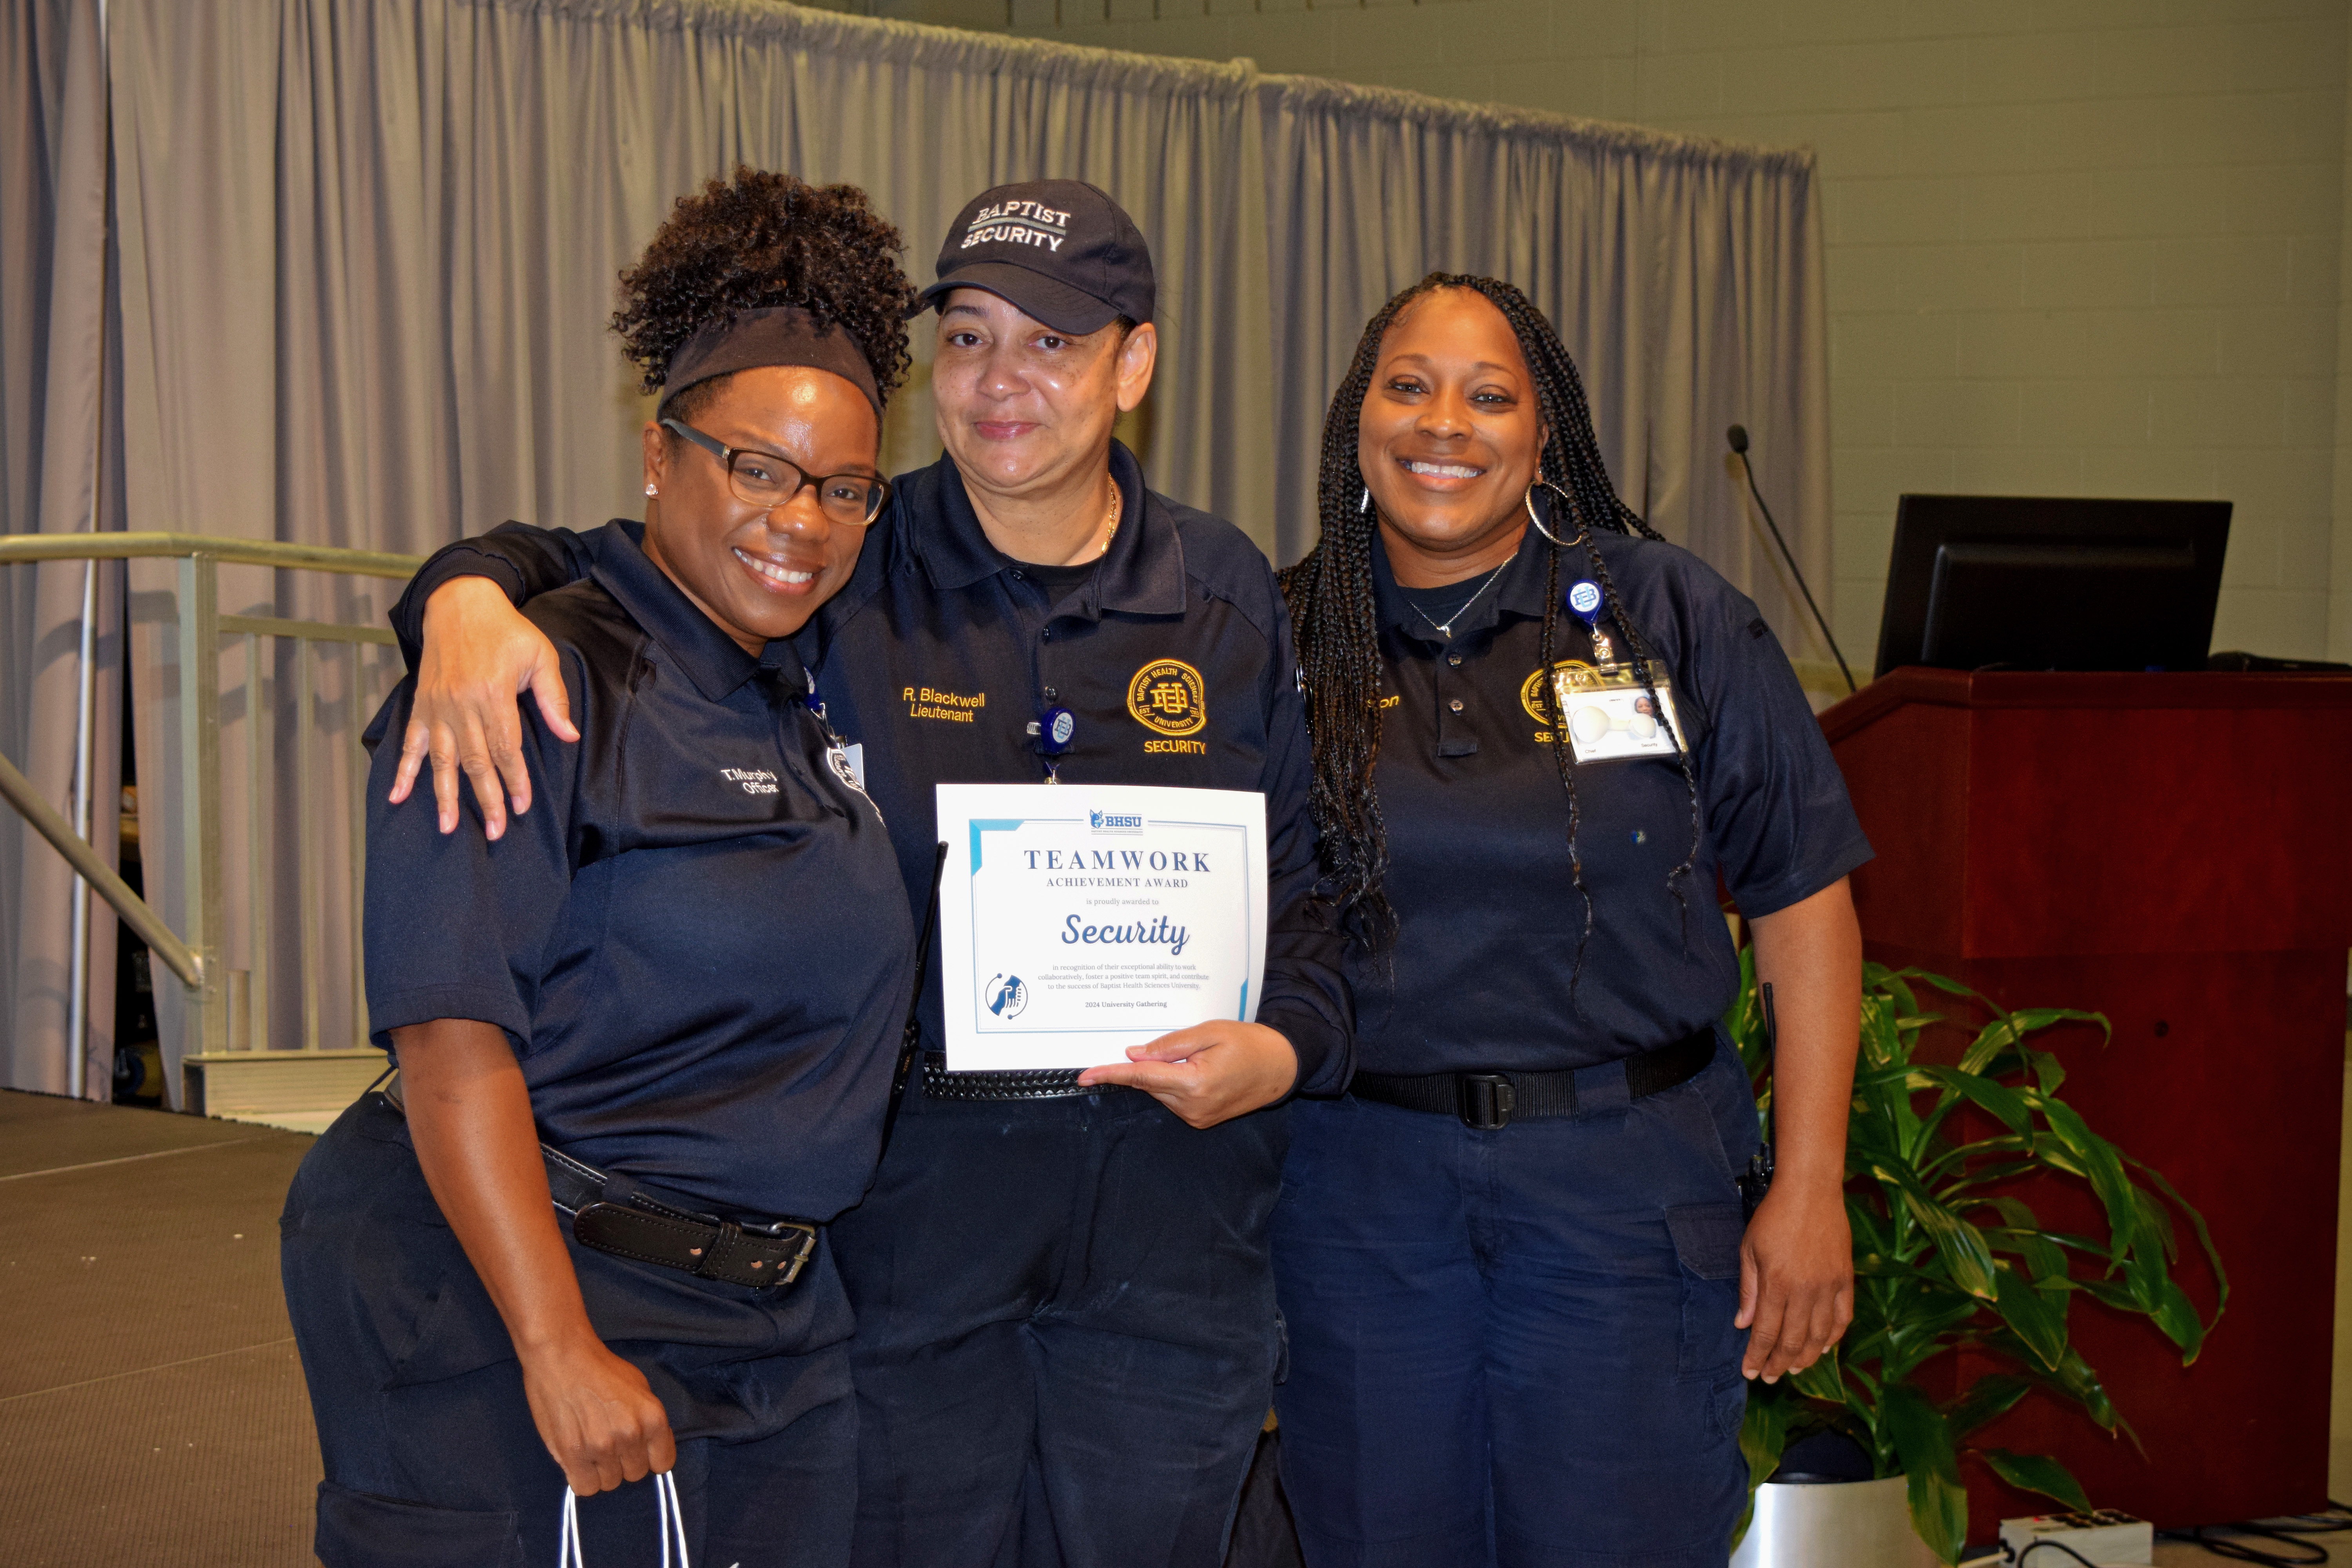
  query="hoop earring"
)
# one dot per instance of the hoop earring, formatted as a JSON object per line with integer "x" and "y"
{"x": 1364, "y": 507}
{"x": 1537, "y": 521}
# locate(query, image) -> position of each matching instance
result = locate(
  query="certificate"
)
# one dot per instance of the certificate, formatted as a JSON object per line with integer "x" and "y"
{"x": 1079, "y": 920}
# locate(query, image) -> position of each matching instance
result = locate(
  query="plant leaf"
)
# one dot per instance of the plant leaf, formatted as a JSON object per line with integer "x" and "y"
{"x": 1959, "y": 1244}
{"x": 1991, "y": 1396}
{"x": 1998, "y": 1098}
{"x": 2040, "y": 1323}
{"x": 1821, "y": 1381}
{"x": 2037, "y": 1473}
{"x": 2176, "y": 1314}
{"x": 2044, "y": 1258}
{"x": 2204, "y": 1235}
{"x": 1763, "y": 1436}
{"x": 2101, "y": 1164}
{"x": 1950, "y": 987}
{"x": 1923, "y": 1442}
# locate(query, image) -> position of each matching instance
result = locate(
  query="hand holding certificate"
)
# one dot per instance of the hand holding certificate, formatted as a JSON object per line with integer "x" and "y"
{"x": 1076, "y": 920}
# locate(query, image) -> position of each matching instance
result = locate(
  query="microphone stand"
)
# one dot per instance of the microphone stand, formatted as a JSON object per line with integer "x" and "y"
{"x": 1738, "y": 435}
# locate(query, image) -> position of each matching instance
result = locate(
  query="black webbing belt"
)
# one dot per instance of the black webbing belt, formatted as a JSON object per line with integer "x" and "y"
{"x": 1487, "y": 1101}
{"x": 616, "y": 1216}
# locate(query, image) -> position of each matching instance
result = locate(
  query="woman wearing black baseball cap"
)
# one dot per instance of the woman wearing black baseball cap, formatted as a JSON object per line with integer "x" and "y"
{"x": 1066, "y": 1328}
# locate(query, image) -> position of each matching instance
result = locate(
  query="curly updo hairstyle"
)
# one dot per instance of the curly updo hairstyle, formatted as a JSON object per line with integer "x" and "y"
{"x": 767, "y": 238}
{"x": 1337, "y": 626}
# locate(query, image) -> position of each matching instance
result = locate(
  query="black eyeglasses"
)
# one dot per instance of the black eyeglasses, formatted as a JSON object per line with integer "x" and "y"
{"x": 767, "y": 481}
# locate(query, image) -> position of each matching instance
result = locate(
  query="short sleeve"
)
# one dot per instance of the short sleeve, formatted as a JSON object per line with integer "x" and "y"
{"x": 1776, "y": 804}
{"x": 523, "y": 561}
{"x": 455, "y": 924}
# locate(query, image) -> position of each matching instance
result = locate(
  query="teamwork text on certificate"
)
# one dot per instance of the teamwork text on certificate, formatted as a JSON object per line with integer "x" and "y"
{"x": 1079, "y": 920}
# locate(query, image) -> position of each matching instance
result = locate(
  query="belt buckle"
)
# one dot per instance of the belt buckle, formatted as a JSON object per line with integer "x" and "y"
{"x": 788, "y": 1269}
{"x": 1486, "y": 1100}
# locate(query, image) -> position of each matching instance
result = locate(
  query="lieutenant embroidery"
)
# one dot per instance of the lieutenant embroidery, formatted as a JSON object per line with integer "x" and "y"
{"x": 953, "y": 707}
{"x": 1169, "y": 697}
{"x": 755, "y": 781}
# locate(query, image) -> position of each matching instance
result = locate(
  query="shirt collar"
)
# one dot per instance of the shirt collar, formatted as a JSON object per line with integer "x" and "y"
{"x": 714, "y": 662}
{"x": 1521, "y": 592}
{"x": 1142, "y": 572}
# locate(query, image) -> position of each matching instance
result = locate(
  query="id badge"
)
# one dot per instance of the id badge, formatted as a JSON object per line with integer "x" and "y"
{"x": 1611, "y": 716}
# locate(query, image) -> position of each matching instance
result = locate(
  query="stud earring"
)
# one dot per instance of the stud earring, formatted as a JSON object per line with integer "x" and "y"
{"x": 651, "y": 491}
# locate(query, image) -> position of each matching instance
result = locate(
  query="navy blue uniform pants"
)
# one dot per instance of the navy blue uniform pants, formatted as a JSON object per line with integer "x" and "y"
{"x": 1516, "y": 1347}
{"x": 1066, "y": 1335}
{"x": 431, "y": 1460}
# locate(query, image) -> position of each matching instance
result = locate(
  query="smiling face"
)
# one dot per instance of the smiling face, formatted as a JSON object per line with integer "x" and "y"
{"x": 760, "y": 574}
{"x": 1449, "y": 437}
{"x": 1024, "y": 409}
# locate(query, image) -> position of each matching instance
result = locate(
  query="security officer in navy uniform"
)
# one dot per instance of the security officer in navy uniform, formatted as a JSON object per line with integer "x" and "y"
{"x": 645, "y": 1040}
{"x": 1067, "y": 1328}
{"x": 1521, "y": 1287}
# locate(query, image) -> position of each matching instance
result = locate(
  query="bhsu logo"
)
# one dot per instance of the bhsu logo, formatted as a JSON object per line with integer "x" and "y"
{"x": 755, "y": 781}
{"x": 1114, "y": 822}
{"x": 1018, "y": 223}
{"x": 1005, "y": 995}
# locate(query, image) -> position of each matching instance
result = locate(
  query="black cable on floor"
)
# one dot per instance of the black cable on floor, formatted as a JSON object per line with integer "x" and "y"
{"x": 2033, "y": 1547}
{"x": 2238, "y": 1550}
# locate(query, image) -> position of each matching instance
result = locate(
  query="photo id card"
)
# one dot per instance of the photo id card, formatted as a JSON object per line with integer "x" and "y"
{"x": 1611, "y": 715}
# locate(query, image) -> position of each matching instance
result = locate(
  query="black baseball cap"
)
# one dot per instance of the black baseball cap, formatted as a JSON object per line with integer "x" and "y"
{"x": 1061, "y": 250}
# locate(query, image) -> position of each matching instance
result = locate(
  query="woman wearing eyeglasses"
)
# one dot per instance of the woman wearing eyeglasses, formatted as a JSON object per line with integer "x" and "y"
{"x": 644, "y": 1037}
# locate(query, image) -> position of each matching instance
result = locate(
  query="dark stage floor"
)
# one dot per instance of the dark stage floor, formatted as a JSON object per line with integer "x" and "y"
{"x": 152, "y": 1410}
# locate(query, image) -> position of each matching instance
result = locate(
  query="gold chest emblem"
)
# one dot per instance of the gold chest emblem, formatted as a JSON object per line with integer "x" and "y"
{"x": 1168, "y": 698}
{"x": 1574, "y": 675}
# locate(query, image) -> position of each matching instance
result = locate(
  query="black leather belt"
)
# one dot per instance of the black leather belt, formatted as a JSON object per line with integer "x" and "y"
{"x": 1041, "y": 1083}
{"x": 1488, "y": 1100}
{"x": 632, "y": 1223}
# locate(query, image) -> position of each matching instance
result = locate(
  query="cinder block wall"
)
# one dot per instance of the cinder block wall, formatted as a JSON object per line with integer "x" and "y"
{"x": 2075, "y": 247}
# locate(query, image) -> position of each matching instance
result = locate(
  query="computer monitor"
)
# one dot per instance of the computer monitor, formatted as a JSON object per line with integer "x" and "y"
{"x": 2051, "y": 583}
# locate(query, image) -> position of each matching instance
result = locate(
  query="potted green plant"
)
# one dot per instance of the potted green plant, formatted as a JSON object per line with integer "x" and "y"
{"x": 1947, "y": 1256}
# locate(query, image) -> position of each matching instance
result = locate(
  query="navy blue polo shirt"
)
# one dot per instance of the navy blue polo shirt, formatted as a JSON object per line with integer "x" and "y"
{"x": 695, "y": 939}
{"x": 1478, "y": 823}
{"x": 1173, "y": 656}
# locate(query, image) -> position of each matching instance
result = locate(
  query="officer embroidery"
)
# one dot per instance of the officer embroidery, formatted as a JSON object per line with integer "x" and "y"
{"x": 1168, "y": 698}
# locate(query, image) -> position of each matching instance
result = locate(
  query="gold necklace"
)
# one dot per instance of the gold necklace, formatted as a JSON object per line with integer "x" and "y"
{"x": 1110, "y": 520}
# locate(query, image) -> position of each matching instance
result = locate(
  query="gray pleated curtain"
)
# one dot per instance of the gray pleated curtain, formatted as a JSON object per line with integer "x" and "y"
{"x": 364, "y": 251}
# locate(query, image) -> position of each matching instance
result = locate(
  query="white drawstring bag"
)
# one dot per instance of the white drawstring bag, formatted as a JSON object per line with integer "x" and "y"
{"x": 670, "y": 1517}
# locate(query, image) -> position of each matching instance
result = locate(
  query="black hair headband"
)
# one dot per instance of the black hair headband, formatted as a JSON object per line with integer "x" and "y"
{"x": 773, "y": 334}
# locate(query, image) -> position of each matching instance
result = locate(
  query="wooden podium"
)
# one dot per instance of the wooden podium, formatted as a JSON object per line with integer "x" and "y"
{"x": 2173, "y": 850}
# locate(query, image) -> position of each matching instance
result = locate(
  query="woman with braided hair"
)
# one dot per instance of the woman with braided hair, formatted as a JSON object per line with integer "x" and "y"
{"x": 1521, "y": 1292}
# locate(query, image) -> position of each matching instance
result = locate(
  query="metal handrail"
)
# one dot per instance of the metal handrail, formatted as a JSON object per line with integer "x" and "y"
{"x": 195, "y": 957}
{"x": 233, "y": 552}
{"x": 136, "y": 912}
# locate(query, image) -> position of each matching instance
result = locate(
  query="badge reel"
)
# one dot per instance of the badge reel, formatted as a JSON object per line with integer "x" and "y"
{"x": 1609, "y": 712}
{"x": 1054, "y": 728}
{"x": 847, "y": 761}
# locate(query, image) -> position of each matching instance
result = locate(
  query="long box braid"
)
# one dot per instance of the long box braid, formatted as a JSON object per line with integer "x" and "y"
{"x": 1336, "y": 626}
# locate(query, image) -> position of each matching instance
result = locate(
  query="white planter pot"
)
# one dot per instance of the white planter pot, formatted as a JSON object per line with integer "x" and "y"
{"x": 1840, "y": 1524}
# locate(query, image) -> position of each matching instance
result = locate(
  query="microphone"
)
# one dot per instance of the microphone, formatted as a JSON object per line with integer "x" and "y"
{"x": 1737, "y": 436}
